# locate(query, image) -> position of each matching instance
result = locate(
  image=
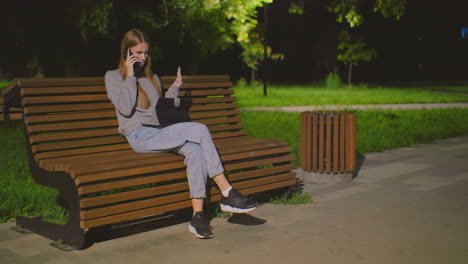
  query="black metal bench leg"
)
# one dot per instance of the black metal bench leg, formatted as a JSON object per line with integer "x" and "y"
{"x": 66, "y": 237}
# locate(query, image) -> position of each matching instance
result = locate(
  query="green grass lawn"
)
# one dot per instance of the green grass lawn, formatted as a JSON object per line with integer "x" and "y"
{"x": 19, "y": 194}
{"x": 4, "y": 83}
{"x": 452, "y": 89}
{"x": 301, "y": 95}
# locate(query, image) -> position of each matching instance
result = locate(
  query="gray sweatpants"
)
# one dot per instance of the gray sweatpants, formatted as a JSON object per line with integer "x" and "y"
{"x": 191, "y": 140}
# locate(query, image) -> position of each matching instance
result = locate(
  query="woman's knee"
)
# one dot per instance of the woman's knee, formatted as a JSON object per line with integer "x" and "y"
{"x": 201, "y": 129}
{"x": 190, "y": 147}
{"x": 192, "y": 151}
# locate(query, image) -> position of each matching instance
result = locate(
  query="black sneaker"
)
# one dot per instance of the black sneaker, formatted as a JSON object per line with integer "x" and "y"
{"x": 237, "y": 203}
{"x": 200, "y": 226}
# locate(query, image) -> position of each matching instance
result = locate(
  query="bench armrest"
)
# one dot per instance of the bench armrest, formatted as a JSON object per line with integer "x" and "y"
{"x": 11, "y": 99}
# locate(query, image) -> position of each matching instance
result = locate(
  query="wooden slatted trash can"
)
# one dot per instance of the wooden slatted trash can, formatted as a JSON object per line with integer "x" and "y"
{"x": 327, "y": 146}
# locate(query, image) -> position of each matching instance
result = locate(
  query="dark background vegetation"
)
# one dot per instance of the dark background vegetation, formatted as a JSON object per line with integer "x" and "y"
{"x": 424, "y": 45}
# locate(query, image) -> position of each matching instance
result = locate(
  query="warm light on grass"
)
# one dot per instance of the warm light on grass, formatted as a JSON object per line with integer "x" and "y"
{"x": 19, "y": 194}
{"x": 292, "y": 199}
{"x": 4, "y": 83}
{"x": 290, "y": 95}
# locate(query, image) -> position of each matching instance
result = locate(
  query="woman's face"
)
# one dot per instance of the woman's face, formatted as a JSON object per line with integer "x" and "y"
{"x": 141, "y": 51}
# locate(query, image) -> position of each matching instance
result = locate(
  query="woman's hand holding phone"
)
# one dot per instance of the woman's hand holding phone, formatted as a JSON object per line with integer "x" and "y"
{"x": 130, "y": 61}
{"x": 178, "y": 81}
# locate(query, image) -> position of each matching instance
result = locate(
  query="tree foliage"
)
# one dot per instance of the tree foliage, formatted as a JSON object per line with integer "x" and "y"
{"x": 350, "y": 11}
{"x": 353, "y": 51}
{"x": 253, "y": 52}
{"x": 182, "y": 29}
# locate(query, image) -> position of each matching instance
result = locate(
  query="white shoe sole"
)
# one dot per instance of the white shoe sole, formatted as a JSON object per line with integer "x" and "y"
{"x": 193, "y": 230}
{"x": 230, "y": 209}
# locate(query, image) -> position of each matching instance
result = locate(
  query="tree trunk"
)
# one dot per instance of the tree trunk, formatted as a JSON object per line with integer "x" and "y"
{"x": 252, "y": 77}
{"x": 350, "y": 71}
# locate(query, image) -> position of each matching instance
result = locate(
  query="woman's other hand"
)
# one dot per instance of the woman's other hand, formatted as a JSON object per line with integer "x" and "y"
{"x": 178, "y": 81}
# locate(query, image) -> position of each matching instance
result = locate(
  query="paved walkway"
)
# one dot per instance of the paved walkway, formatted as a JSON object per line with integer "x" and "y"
{"x": 356, "y": 107}
{"x": 408, "y": 205}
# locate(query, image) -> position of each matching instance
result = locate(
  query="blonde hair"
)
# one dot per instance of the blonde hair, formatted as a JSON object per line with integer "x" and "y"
{"x": 130, "y": 39}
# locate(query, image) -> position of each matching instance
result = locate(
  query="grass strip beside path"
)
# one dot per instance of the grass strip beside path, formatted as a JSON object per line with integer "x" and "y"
{"x": 291, "y": 95}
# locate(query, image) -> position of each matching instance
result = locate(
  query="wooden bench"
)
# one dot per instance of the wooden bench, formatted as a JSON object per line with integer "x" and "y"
{"x": 74, "y": 146}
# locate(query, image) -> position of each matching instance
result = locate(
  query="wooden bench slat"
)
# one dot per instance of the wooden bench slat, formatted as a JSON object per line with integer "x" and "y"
{"x": 77, "y": 170}
{"x": 101, "y": 88}
{"x": 212, "y": 114}
{"x": 75, "y": 152}
{"x": 225, "y": 128}
{"x": 260, "y": 162}
{"x": 208, "y": 92}
{"x": 65, "y": 99}
{"x": 202, "y": 85}
{"x": 109, "y": 113}
{"x": 125, "y": 172}
{"x": 73, "y": 135}
{"x": 228, "y": 135}
{"x": 62, "y": 90}
{"x": 127, "y": 158}
{"x": 218, "y": 121}
{"x": 151, "y": 202}
{"x": 134, "y": 215}
{"x": 69, "y": 81}
{"x": 72, "y": 126}
{"x": 164, "y": 204}
{"x": 68, "y": 108}
{"x": 122, "y": 208}
{"x": 256, "y": 154}
{"x": 71, "y": 116}
{"x": 210, "y": 107}
{"x": 134, "y": 159}
{"x": 81, "y": 178}
{"x": 99, "y": 81}
{"x": 78, "y": 144}
{"x": 197, "y": 78}
{"x": 179, "y": 205}
{"x": 130, "y": 157}
{"x": 113, "y": 198}
{"x": 35, "y": 109}
{"x": 57, "y": 164}
{"x": 131, "y": 160}
{"x": 213, "y": 100}
{"x": 12, "y": 116}
{"x": 227, "y": 147}
{"x": 136, "y": 194}
{"x": 42, "y": 157}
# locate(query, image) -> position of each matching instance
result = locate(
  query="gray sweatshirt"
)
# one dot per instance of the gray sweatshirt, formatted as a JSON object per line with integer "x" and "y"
{"x": 124, "y": 94}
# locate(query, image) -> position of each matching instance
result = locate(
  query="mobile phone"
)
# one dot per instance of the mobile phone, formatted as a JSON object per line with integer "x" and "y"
{"x": 129, "y": 51}
{"x": 138, "y": 67}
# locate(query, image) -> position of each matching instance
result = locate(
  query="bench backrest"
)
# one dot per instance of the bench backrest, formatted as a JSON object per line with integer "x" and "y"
{"x": 73, "y": 116}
